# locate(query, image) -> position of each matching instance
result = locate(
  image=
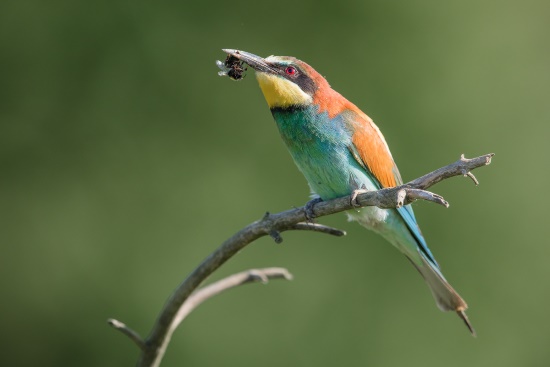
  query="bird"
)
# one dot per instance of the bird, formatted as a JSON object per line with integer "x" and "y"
{"x": 341, "y": 152}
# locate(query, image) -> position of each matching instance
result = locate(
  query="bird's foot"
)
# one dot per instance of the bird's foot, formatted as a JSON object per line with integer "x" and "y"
{"x": 353, "y": 200}
{"x": 310, "y": 215}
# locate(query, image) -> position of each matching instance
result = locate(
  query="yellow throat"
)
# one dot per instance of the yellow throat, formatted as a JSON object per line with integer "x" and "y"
{"x": 280, "y": 92}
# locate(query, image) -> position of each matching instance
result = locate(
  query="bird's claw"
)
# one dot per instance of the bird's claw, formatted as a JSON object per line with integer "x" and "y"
{"x": 353, "y": 200}
{"x": 308, "y": 209}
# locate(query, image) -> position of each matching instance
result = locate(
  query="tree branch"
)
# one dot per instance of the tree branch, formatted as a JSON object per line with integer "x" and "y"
{"x": 120, "y": 326}
{"x": 462, "y": 167}
{"x": 232, "y": 281}
{"x": 273, "y": 224}
{"x": 316, "y": 227}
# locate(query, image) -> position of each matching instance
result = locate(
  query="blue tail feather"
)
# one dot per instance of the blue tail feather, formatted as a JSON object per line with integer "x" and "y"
{"x": 407, "y": 214}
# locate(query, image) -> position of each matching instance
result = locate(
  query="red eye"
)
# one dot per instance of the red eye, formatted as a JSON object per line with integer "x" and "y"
{"x": 290, "y": 70}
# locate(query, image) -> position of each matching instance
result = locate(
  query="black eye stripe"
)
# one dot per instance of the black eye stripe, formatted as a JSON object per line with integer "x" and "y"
{"x": 305, "y": 83}
{"x": 300, "y": 78}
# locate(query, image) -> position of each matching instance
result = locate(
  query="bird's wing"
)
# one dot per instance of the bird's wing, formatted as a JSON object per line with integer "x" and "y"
{"x": 371, "y": 151}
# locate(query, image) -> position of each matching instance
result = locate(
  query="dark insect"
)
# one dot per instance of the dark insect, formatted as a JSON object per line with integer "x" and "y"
{"x": 232, "y": 67}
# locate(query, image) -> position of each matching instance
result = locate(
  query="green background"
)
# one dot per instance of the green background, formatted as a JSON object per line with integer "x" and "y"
{"x": 125, "y": 160}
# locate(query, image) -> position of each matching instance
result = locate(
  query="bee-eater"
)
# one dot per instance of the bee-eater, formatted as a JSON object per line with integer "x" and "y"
{"x": 340, "y": 150}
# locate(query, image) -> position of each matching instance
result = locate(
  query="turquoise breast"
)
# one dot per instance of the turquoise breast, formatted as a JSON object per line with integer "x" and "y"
{"x": 319, "y": 146}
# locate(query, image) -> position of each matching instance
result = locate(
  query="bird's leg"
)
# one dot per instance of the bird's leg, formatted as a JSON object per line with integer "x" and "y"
{"x": 353, "y": 200}
{"x": 309, "y": 208}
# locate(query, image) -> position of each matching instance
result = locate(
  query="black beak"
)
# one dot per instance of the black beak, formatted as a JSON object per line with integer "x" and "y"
{"x": 255, "y": 62}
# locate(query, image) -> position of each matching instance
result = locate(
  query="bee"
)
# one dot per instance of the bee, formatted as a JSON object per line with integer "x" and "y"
{"x": 232, "y": 67}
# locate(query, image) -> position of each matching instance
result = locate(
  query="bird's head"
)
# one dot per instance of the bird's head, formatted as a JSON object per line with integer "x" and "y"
{"x": 285, "y": 81}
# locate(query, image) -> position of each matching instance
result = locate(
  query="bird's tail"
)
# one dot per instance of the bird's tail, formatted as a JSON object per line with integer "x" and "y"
{"x": 399, "y": 228}
{"x": 445, "y": 296}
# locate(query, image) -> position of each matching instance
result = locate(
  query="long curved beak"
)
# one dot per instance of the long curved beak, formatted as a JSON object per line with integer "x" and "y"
{"x": 254, "y": 61}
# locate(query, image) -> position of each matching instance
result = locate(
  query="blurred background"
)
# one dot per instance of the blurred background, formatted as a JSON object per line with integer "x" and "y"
{"x": 125, "y": 160}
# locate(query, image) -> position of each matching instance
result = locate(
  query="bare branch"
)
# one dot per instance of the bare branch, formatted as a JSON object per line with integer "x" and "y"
{"x": 455, "y": 169}
{"x": 316, "y": 227}
{"x": 471, "y": 175}
{"x": 120, "y": 326}
{"x": 248, "y": 276}
{"x": 276, "y": 235}
{"x": 273, "y": 224}
{"x": 415, "y": 194}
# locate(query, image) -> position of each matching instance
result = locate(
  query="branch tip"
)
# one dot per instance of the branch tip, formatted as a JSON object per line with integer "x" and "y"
{"x": 287, "y": 275}
{"x": 471, "y": 175}
{"x": 276, "y": 236}
{"x": 263, "y": 275}
{"x": 316, "y": 227}
{"x": 120, "y": 326}
{"x": 258, "y": 275}
{"x": 442, "y": 201}
{"x": 438, "y": 199}
{"x": 415, "y": 194}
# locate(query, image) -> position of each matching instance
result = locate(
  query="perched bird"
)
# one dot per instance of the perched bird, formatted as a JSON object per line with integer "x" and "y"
{"x": 340, "y": 150}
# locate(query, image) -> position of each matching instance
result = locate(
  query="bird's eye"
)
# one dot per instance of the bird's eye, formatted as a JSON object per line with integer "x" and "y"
{"x": 290, "y": 70}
